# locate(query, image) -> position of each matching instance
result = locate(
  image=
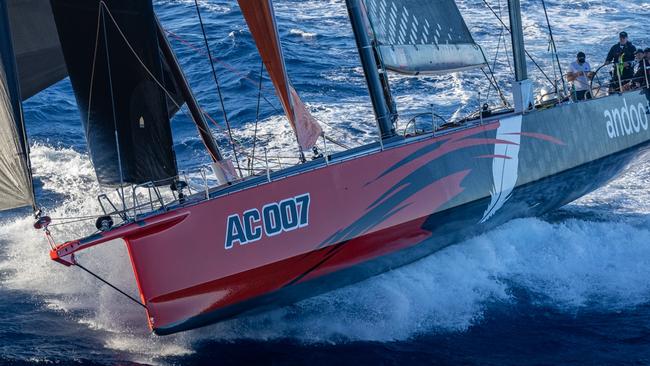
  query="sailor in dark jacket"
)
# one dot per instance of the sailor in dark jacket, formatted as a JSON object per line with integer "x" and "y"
{"x": 639, "y": 78}
{"x": 647, "y": 66}
{"x": 621, "y": 55}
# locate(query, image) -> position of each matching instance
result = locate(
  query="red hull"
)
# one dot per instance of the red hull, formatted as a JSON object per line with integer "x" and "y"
{"x": 221, "y": 257}
{"x": 184, "y": 269}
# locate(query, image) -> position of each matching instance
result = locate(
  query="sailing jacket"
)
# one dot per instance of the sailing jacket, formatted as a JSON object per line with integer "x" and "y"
{"x": 640, "y": 74}
{"x": 619, "y": 55}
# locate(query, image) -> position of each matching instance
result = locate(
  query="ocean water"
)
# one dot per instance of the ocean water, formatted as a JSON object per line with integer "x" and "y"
{"x": 569, "y": 288}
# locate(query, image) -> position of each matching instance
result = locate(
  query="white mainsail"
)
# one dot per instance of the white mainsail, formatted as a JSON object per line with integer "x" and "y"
{"x": 422, "y": 36}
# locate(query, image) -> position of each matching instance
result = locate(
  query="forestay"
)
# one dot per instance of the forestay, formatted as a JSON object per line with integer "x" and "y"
{"x": 15, "y": 179}
{"x": 422, "y": 36}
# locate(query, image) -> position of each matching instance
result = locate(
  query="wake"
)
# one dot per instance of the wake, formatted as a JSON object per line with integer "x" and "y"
{"x": 596, "y": 256}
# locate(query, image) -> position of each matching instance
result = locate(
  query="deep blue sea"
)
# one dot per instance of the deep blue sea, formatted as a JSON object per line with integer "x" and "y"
{"x": 571, "y": 288}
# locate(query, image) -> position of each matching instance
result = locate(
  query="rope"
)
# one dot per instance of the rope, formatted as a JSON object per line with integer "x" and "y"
{"x": 169, "y": 94}
{"x": 557, "y": 58}
{"x": 110, "y": 84}
{"x": 111, "y": 285}
{"x": 71, "y": 221}
{"x": 135, "y": 54}
{"x": 225, "y": 64}
{"x": 257, "y": 112}
{"x": 247, "y": 79}
{"x": 494, "y": 64}
{"x": 527, "y": 53}
{"x": 505, "y": 43}
{"x": 216, "y": 81}
{"x": 75, "y": 217}
{"x": 92, "y": 74}
{"x": 493, "y": 81}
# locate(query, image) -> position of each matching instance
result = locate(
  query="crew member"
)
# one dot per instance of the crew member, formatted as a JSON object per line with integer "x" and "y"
{"x": 646, "y": 60}
{"x": 580, "y": 75}
{"x": 639, "y": 74}
{"x": 621, "y": 55}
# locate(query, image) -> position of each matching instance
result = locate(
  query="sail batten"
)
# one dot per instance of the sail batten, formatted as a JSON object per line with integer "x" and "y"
{"x": 15, "y": 178}
{"x": 422, "y": 36}
{"x": 260, "y": 17}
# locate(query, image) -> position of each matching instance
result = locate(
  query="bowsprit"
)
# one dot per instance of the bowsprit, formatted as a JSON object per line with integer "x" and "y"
{"x": 273, "y": 219}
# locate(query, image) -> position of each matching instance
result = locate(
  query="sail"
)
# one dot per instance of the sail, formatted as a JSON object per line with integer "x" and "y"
{"x": 15, "y": 179}
{"x": 113, "y": 59}
{"x": 36, "y": 45}
{"x": 261, "y": 21}
{"x": 422, "y": 36}
{"x": 38, "y": 50}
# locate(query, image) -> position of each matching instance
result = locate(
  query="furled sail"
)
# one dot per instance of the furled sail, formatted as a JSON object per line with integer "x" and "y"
{"x": 15, "y": 178}
{"x": 422, "y": 36}
{"x": 36, "y": 45}
{"x": 260, "y": 17}
{"x": 113, "y": 58}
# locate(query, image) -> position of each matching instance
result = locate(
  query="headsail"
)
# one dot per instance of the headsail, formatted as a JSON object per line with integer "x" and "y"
{"x": 36, "y": 45}
{"x": 260, "y": 17}
{"x": 38, "y": 51}
{"x": 114, "y": 62}
{"x": 15, "y": 178}
{"x": 422, "y": 36}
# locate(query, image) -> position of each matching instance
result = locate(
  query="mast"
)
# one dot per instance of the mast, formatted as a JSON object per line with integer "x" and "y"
{"x": 188, "y": 96}
{"x": 522, "y": 89}
{"x": 380, "y": 101}
{"x": 517, "y": 36}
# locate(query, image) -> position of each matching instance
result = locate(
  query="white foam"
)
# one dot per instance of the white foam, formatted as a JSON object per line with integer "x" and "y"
{"x": 212, "y": 6}
{"x": 69, "y": 173}
{"x": 569, "y": 265}
{"x": 306, "y": 35}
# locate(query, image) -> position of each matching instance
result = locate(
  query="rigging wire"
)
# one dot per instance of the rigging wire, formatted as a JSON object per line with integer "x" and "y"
{"x": 496, "y": 55}
{"x": 257, "y": 112}
{"x": 216, "y": 81}
{"x": 110, "y": 285}
{"x": 557, "y": 58}
{"x": 494, "y": 62}
{"x": 493, "y": 81}
{"x": 110, "y": 85}
{"x": 505, "y": 42}
{"x": 169, "y": 94}
{"x": 226, "y": 65}
{"x": 153, "y": 77}
{"x": 527, "y": 53}
{"x": 250, "y": 81}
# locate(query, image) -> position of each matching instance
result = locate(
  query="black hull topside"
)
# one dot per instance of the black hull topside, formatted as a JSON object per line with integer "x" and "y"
{"x": 561, "y": 154}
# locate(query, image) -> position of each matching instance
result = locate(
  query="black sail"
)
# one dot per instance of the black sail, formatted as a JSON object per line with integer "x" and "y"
{"x": 122, "y": 105}
{"x": 36, "y": 45}
{"x": 422, "y": 36}
{"x": 15, "y": 178}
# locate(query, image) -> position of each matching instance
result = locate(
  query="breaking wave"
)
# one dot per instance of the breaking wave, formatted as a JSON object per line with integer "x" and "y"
{"x": 571, "y": 264}
{"x": 594, "y": 254}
